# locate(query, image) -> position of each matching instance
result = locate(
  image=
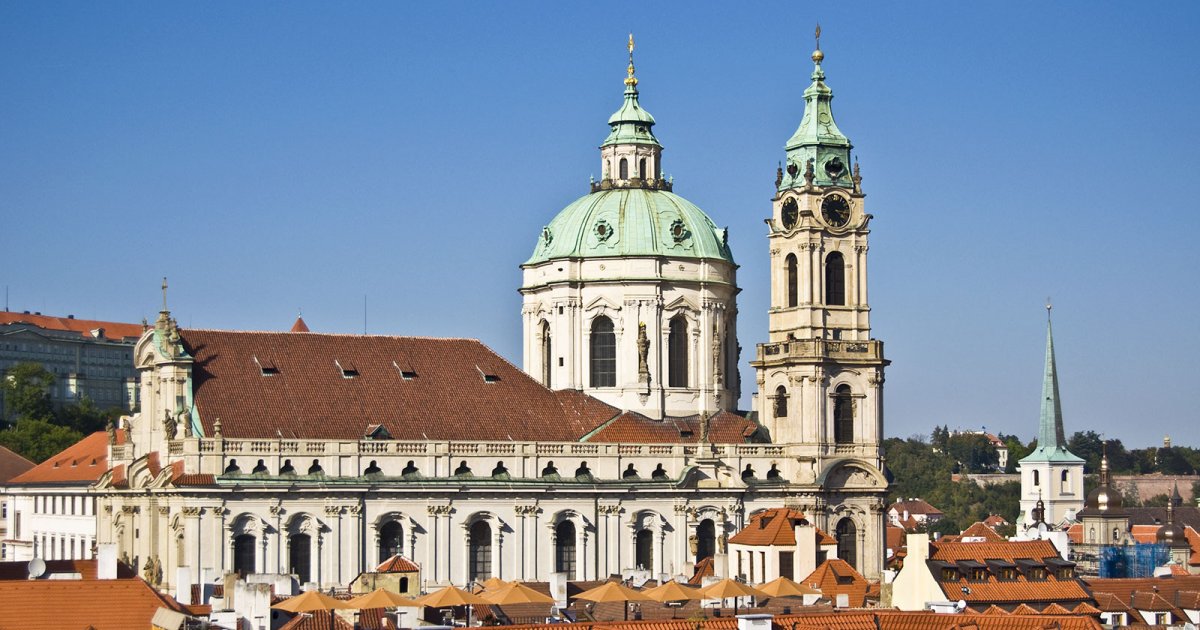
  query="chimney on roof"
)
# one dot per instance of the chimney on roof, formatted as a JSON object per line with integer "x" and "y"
{"x": 70, "y": 317}
{"x": 106, "y": 561}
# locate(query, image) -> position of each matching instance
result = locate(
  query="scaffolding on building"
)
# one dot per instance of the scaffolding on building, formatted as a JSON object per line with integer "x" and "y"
{"x": 1131, "y": 561}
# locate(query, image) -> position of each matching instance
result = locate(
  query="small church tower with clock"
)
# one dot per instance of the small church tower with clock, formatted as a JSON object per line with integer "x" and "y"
{"x": 820, "y": 375}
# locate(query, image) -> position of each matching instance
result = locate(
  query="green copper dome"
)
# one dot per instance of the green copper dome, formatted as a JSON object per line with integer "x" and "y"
{"x": 631, "y": 222}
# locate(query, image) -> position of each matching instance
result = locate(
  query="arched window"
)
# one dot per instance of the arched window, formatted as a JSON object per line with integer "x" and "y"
{"x": 847, "y": 542}
{"x": 643, "y": 554}
{"x": 603, "y": 353}
{"x": 547, "y": 355}
{"x": 403, "y": 585}
{"x": 564, "y": 550}
{"x": 781, "y": 402}
{"x": 1092, "y": 535}
{"x": 793, "y": 280}
{"x": 300, "y": 556}
{"x": 1037, "y": 479}
{"x": 843, "y": 415}
{"x": 244, "y": 554}
{"x": 391, "y": 540}
{"x": 624, "y": 169}
{"x": 835, "y": 279}
{"x": 481, "y": 551}
{"x": 706, "y": 539}
{"x": 677, "y": 344}
{"x": 642, "y": 168}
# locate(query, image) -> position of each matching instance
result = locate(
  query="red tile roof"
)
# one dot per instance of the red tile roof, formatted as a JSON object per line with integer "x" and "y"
{"x": 915, "y": 506}
{"x": 418, "y": 388}
{"x": 85, "y": 568}
{"x": 82, "y": 463}
{"x": 995, "y": 520}
{"x": 112, "y": 331}
{"x": 776, "y": 526}
{"x": 980, "y": 530}
{"x": 1113, "y": 593}
{"x": 299, "y": 326}
{"x": 118, "y": 604}
{"x": 181, "y": 478}
{"x": 836, "y": 577}
{"x": 397, "y": 564}
{"x": 316, "y": 620}
{"x": 993, "y": 590}
{"x": 633, "y": 428}
{"x": 12, "y": 464}
{"x": 857, "y": 620}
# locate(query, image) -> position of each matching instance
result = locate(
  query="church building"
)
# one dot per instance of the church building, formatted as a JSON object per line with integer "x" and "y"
{"x": 617, "y": 449}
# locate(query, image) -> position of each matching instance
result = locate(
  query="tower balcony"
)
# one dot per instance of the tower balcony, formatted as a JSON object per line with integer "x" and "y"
{"x": 633, "y": 182}
{"x": 809, "y": 350}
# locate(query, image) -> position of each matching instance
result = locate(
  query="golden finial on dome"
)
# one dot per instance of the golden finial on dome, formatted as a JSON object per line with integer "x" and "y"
{"x": 817, "y": 55}
{"x": 630, "y": 80}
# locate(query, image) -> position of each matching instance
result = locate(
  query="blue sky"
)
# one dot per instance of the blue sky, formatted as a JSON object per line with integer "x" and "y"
{"x": 269, "y": 157}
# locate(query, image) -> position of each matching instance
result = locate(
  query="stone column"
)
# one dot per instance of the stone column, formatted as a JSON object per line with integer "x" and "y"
{"x": 337, "y": 544}
{"x": 191, "y": 541}
{"x": 358, "y": 552}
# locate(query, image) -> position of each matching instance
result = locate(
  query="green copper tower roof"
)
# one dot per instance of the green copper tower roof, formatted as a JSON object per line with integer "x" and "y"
{"x": 631, "y": 124}
{"x": 818, "y": 138}
{"x": 1052, "y": 443}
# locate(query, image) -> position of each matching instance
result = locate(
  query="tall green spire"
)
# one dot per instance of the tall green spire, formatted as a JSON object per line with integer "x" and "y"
{"x": 818, "y": 138}
{"x": 631, "y": 124}
{"x": 1052, "y": 442}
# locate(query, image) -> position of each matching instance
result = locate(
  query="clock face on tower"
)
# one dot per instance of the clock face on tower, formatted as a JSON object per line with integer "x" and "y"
{"x": 790, "y": 214}
{"x": 835, "y": 210}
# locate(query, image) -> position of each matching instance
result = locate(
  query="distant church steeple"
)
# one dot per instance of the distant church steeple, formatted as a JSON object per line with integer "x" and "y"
{"x": 1051, "y": 471}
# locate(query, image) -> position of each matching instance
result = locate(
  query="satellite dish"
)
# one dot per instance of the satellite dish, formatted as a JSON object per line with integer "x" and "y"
{"x": 37, "y": 568}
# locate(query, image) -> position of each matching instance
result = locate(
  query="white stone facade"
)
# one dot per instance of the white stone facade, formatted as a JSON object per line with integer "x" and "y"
{"x": 52, "y": 523}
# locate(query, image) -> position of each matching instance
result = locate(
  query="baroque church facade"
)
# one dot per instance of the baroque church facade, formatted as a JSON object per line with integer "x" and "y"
{"x": 615, "y": 450}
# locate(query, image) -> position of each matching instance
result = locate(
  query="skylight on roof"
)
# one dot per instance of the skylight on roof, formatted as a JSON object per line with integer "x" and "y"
{"x": 407, "y": 373}
{"x": 488, "y": 376}
{"x": 266, "y": 367}
{"x": 348, "y": 369}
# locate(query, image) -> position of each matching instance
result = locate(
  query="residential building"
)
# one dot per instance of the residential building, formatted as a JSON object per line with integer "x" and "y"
{"x": 11, "y": 465}
{"x": 50, "y": 512}
{"x": 1171, "y": 600}
{"x": 779, "y": 542}
{"x": 913, "y": 514}
{"x": 1005, "y": 574}
{"x": 89, "y": 359}
{"x": 1051, "y": 474}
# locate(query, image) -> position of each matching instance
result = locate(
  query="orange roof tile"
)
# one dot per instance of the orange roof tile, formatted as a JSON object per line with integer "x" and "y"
{"x": 1025, "y": 609}
{"x": 992, "y": 589}
{"x": 1084, "y": 608}
{"x": 100, "y": 604}
{"x": 397, "y": 564}
{"x": 774, "y": 526}
{"x": 630, "y": 428}
{"x": 1107, "y": 602}
{"x": 113, "y": 331}
{"x": 915, "y": 506}
{"x": 82, "y": 463}
{"x": 1055, "y": 609}
{"x": 980, "y": 530}
{"x": 856, "y": 620}
{"x": 396, "y": 382}
{"x": 316, "y": 620}
{"x": 12, "y": 464}
{"x": 704, "y": 568}
{"x": 299, "y": 326}
{"x": 836, "y": 577}
{"x": 85, "y": 568}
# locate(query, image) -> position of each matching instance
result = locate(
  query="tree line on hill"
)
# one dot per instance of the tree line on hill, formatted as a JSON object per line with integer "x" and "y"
{"x": 924, "y": 467}
{"x": 32, "y": 426}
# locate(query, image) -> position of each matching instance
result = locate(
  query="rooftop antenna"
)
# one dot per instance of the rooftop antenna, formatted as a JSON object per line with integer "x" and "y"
{"x": 364, "y": 313}
{"x": 6, "y": 298}
{"x": 1049, "y": 307}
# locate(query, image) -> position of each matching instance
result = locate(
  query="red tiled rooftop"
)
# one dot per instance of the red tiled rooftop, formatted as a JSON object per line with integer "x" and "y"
{"x": 836, "y": 577}
{"x": 85, "y": 568}
{"x": 1068, "y": 591}
{"x": 980, "y": 530}
{"x": 99, "y": 604}
{"x": 82, "y": 462}
{"x": 417, "y": 388}
{"x": 299, "y": 326}
{"x": 632, "y": 428}
{"x": 12, "y": 464}
{"x": 113, "y": 331}
{"x": 915, "y": 506}
{"x": 397, "y": 564}
{"x": 776, "y": 526}
{"x": 857, "y": 620}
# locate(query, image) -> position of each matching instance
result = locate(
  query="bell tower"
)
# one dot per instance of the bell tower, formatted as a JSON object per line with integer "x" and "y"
{"x": 820, "y": 375}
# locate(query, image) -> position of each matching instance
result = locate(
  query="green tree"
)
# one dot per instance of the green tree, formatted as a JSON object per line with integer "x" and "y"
{"x": 85, "y": 417}
{"x": 37, "y": 440}
{"x": 940, "y": 437}
{"x": 1158, "y": 500}
{"x": 1119, "y": 458}
{"x": 974, "y": 451}
{"x": 1016, "y": 451}
{"x": 1088, "y": 445}
{"x": 26, "y": 388}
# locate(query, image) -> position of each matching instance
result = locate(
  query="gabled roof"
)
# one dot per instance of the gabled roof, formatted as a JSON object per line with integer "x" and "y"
{"x": 836, "y": 577}
{"x": 981, "y": 530}
{"x": 776, "y": 526}
{"x": 88, "y": 328}
{"x": 915, "y": 506}
{"x": 81, "y": 463}
{"x": 1114, "y": 593}
{"x": 299, "y": 326}
{"x": 397, "y": 564}
{"x": 117, "y": 604}
{"x": 12, "y": 464}
{"x": 1068, "y": 591}
{"x": 632, "y": 428}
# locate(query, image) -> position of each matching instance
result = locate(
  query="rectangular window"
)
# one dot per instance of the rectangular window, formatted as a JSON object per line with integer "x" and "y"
{"x": 786, "y": 561}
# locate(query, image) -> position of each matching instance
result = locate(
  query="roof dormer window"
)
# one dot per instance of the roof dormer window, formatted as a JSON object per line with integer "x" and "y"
{"x": 348, "y": 369}
{"x": 266, "y": 367}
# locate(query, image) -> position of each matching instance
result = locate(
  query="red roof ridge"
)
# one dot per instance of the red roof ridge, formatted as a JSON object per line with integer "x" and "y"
{"x": 329, "y": 334}
{"x": 74, "y": 463}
